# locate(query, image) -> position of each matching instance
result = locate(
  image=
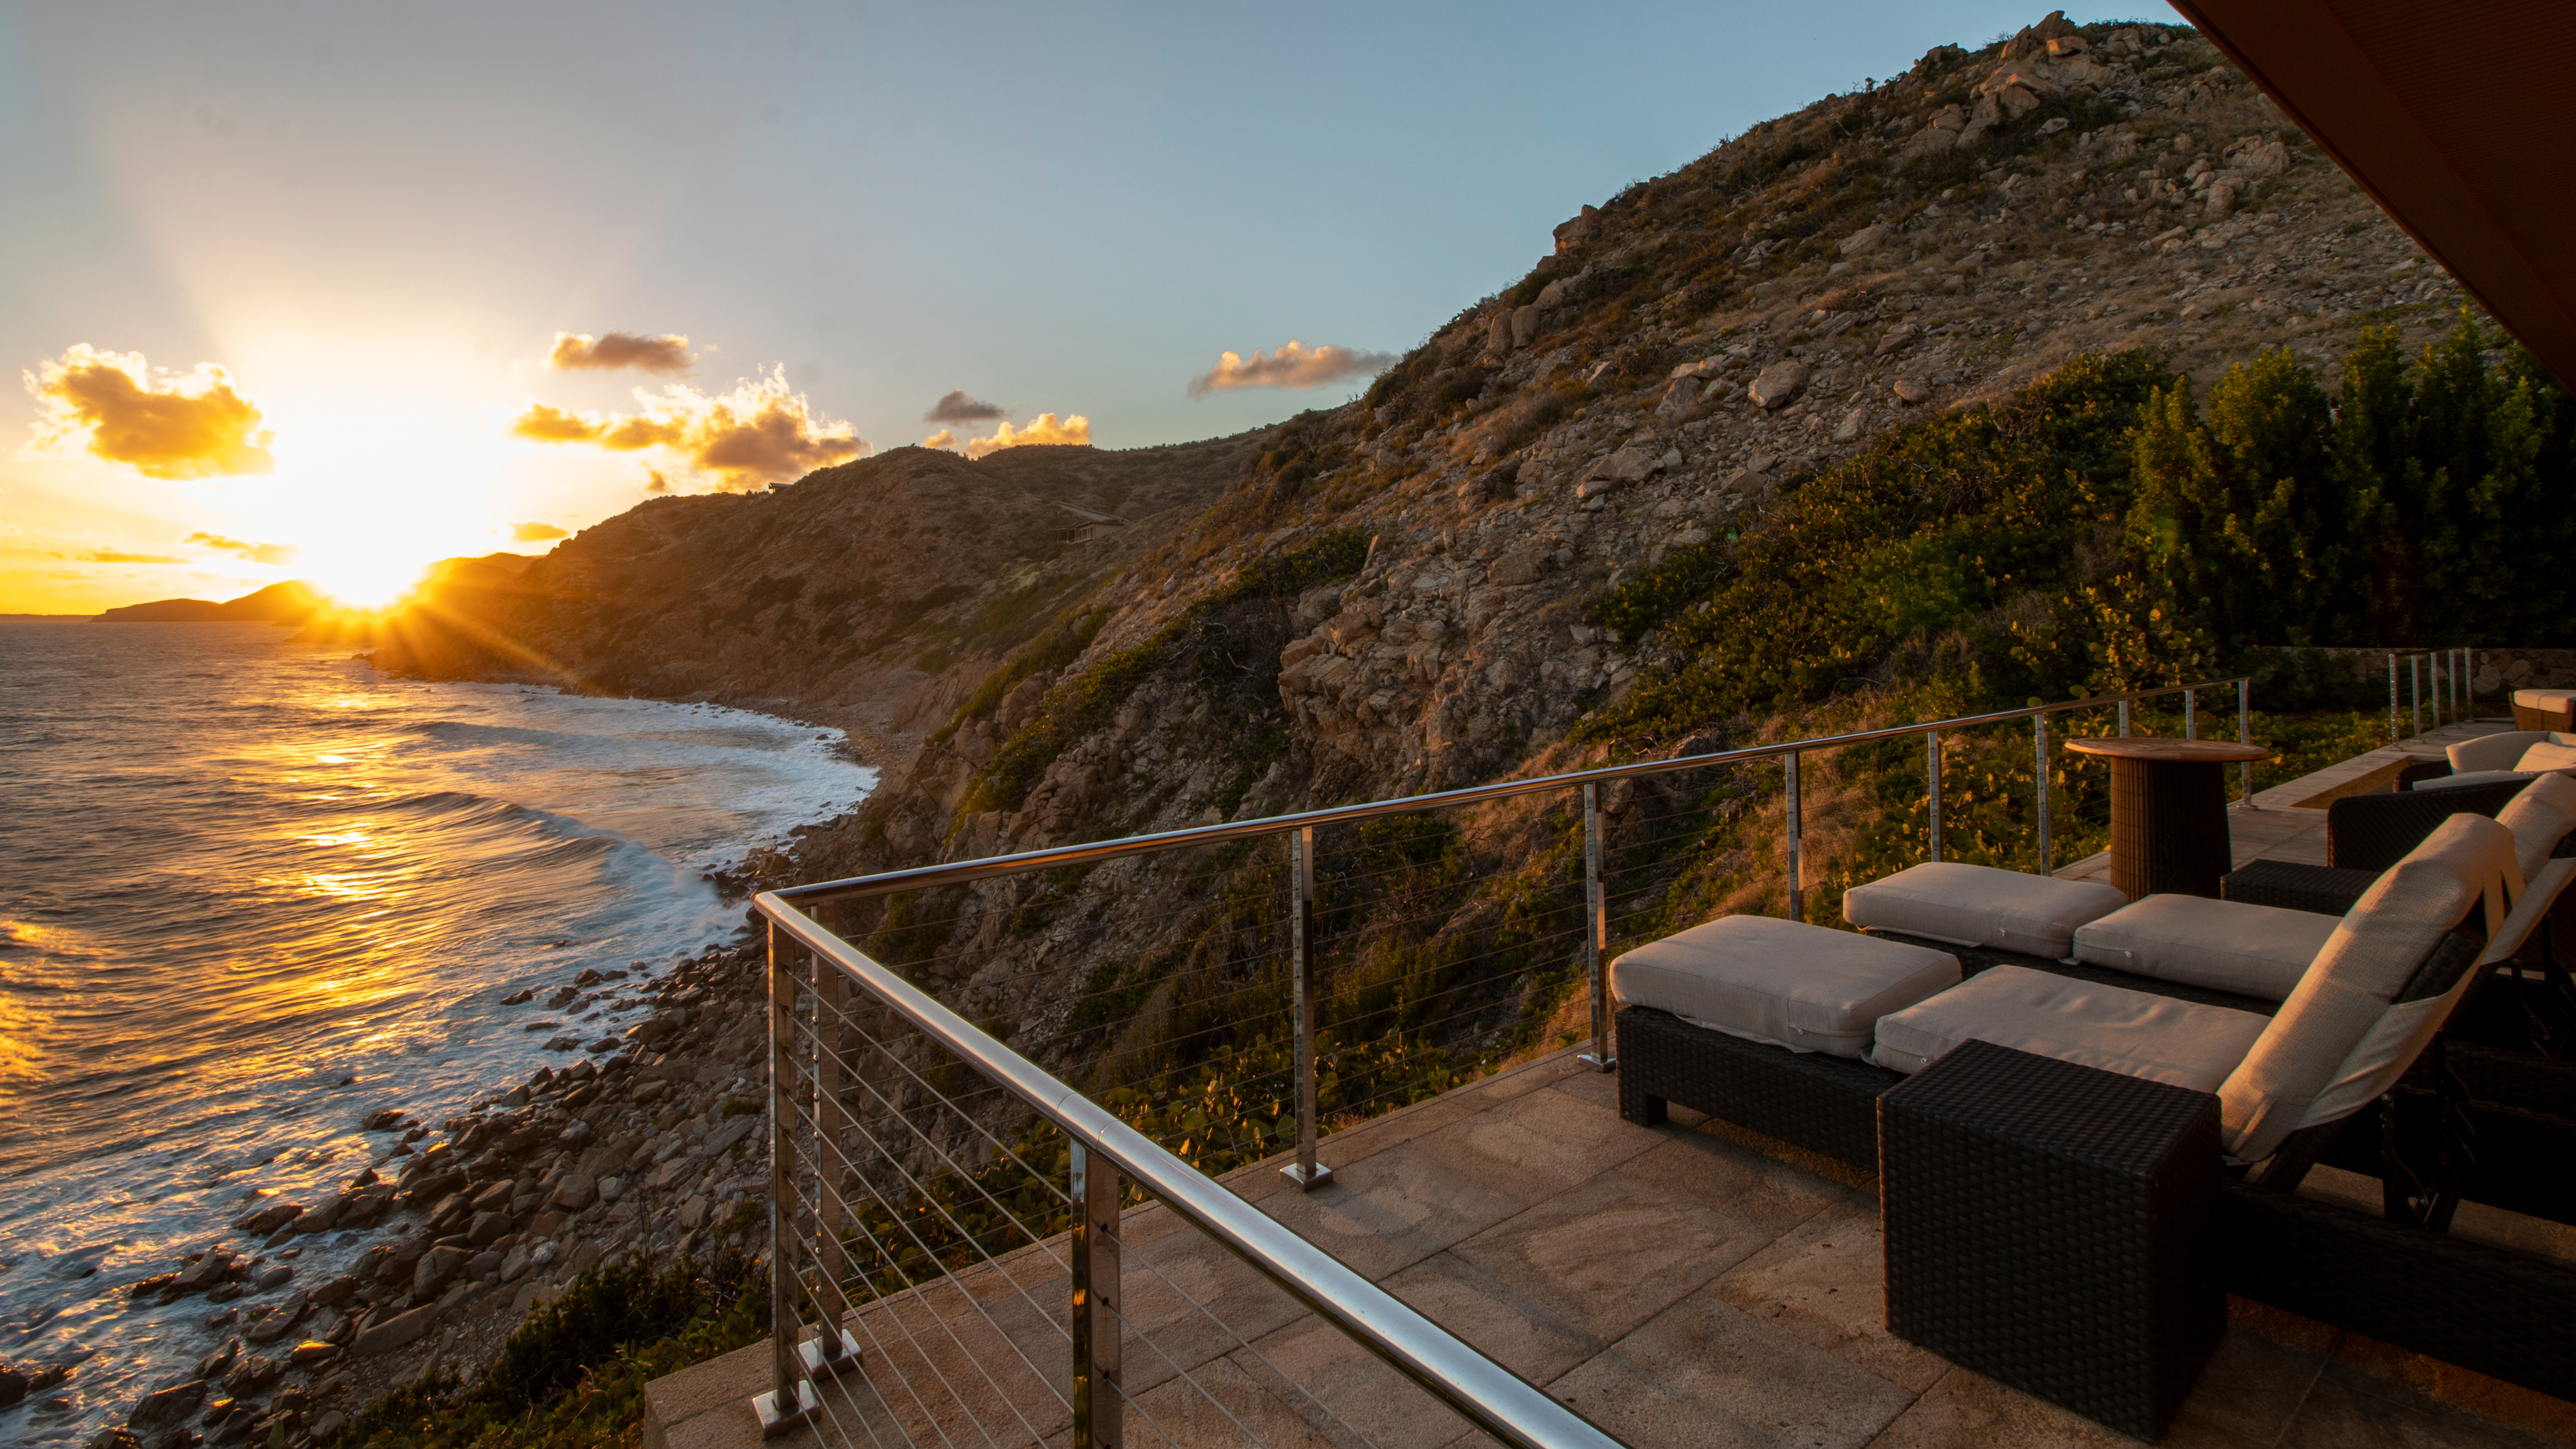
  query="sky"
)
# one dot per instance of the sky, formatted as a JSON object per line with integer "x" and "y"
{"x": 329, "y": 290}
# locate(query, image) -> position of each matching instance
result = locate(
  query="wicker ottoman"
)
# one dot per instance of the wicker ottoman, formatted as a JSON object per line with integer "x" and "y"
{"x": 2049, "y": 1225}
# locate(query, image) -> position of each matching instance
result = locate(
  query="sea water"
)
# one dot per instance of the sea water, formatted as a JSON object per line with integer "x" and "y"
{"x": 251, "y": 891}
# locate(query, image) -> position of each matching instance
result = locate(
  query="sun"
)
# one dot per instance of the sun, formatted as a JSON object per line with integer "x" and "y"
{"x": 363, "y": 579}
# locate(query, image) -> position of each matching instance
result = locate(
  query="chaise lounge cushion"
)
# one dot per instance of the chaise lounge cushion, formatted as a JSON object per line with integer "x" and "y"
{"x": 2500, "y": 751}
{"x": 1978, "y": 905}
{"x": 2469, "y": 777}
{"x": 1782, "y": 983}
{"x": 2110, "y": 1027}
{"x": 2539, "y": 817}
{"x": 2224, "y": 945}
{"x": 2374, "y": 951}
{"x": 2553, "y": 701}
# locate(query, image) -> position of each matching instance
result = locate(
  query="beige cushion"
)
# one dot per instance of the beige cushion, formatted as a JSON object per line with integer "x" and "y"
{"x": 1978, "y": 905}
{"x": 1786, "y": 983}
{"x": 2223, "y": 945}
{"x": 2547, "y": 755}
{"x": 2364, "y": 964}
{"x": 2539, "y": 818}
{"x": 2131, "y": 1032}
{"x": 2473, "y": 777}
{"x": 2556, "y": 701}
{"x": 2497, "y": 751}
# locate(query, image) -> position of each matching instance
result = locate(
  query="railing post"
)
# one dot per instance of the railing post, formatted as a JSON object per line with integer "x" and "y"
{"x": 1099, "y": 1407}
{"x": 2393, "y": 735}
{"x": 1797, "y": 887}
{"x": 2244, "y": 736}
{"x": 2124, "y": 719}
{"x": 2190, "y": 714}
{"x": 831, "y": 1009}
{"x": 1596, "y": 931}
{"x": 1932, "y": 768}
{"x": 2039, "y": 738}
{"x": 1306, "y": 1172}
{"x": 790, "y": 1400}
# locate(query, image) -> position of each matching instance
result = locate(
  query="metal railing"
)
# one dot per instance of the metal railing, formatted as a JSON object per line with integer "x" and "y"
{"x": 817, "y": 1227}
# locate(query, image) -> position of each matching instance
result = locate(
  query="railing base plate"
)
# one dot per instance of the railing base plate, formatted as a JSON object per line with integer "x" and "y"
{"x": 811, "y": 1351}
{"x": 1598, "y": 1064}
{"x": 773, "y": 1423}
{"x": 1297, "y": 1175}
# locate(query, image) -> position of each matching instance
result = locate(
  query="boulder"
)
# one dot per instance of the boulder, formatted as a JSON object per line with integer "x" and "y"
{"x": 1498, "y": 337}
{"x": 487, "y": 1228}
{"x": 1910, "y": 392}
{"x": 312, "y": 1351}
{"x": 1851, "y": 425}
{"x": 206, "y": 1272}
{"x": 1572, "y": 234}
{"x": 576, "y": 1191}
{"x": 438, "y": 1267}
{"x": 1777, "y": 384}
{"x": 1895, "y": 338}
{"x": 484, "y": 1266}
{"x": 169, "y": 1406}
{"x": 269, "y": 1219}
{"x": 337, "y": 1292}
{"x": 273, "y": 1275}
{"x": 1634, "y": 463}
{"x": 1679, "y": 394}
{"x": 384, "y": 1121}
{"x": 1865, "y": 238}
{"x": 395, "y": 1332}
{"x": 1524, "y": 325}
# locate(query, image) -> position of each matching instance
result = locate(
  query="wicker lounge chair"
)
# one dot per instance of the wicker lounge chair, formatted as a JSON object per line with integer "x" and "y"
{"x": 2544, "y": 709}
{"x": 2292, "y": 1081}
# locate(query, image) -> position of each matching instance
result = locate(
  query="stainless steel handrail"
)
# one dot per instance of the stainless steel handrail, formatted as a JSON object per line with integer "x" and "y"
{"x": 953, "y": 873}
{"x": 1487, "y": 1394}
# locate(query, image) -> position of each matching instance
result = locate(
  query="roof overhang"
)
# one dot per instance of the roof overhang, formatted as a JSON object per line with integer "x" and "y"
{"x": 2455, "y": 117}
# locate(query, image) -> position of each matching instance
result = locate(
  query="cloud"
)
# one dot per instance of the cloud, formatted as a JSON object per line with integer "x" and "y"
{"x": 536, "y": 532}
{"x": 759, "y": 433}
{"x": 668, "y": 353}
{"x": 109, "y": 555}
{"x": 1295, "y": 365}
{"x": 267, "y": 553}
{"x": 957, "y": 407}
{"x": 656, "y": 481}
{"x": 162, "y": 424}
{"x": 1044, "y": 428}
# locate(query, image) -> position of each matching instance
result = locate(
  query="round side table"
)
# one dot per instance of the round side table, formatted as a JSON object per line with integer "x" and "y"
{"x": 2169, "y": 812}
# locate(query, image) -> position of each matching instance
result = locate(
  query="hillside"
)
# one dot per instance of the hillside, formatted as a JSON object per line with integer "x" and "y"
{"x": 285, "y": 603}
{"x": 1889, "y": 406}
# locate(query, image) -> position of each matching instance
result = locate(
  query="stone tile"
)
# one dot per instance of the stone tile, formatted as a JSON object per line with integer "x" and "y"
{"x": 1823, "y": 1283}
{"x": 1174, "y": 1283}
{"x": 1385, "y": 1213}
{"x": 943, "y": 1365}
{"x": 1970, "y": 1411}
{"x": 2441, "y": 1392}
{"x": 1623, "y": 1246}
{"x": 2252, "y": 1386}
{"x": 1536, "y": 1145}
{"x": 1702, "y": 1373}
{"x": 1313, "y": 1368}
{"x": 1505, "y": 1324}
{"x": 1222, "y": 1407}
{"x": 1599, "y": 1089}
{"x": 2342, "y": 1414}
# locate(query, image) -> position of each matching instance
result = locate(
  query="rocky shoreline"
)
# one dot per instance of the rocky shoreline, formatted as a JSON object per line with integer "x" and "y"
{"x": 649, "y": 1142}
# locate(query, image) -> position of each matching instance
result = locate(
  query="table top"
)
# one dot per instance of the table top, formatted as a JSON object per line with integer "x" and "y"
{"x": 2162, "y": 750}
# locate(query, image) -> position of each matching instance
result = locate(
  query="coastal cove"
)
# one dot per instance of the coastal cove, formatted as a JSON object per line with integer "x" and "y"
{"x": 256, "y": 892}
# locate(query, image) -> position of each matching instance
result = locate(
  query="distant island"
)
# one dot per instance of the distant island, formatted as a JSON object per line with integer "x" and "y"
{"x": 287, "y": 603}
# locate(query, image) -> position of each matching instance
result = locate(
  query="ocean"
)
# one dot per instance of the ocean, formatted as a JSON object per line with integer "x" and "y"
{"x": 252, "y": 891}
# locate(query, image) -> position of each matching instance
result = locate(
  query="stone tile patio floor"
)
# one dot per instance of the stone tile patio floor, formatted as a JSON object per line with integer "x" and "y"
{"x": 1686, "y": 1286}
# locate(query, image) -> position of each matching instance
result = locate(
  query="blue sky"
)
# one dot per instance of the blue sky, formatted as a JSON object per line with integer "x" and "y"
{"x": 376, "y": 217}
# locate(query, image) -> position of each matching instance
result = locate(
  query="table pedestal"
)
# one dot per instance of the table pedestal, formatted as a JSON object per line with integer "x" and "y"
{"x": 2168, "y": 827}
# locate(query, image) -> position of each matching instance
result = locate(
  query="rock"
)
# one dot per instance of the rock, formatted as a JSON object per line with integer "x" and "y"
{"x": 432, "y": 1187}
{"x": 514, "y": 1264}
{"x": 611, "y": 1188}
{"x": 483, "y": 1265}
{"x": 206, "y": 1272}
{"x": 168, "y": 1406}
{"x": 274, "y": 1275}
{"x": 337, "y": 1292}
{"x": 2262, "y": 160}
{"x": 1896, "y": 337}
{"x": 115, "y": 1439}
{"x": 1851, "y": 425}
{"x": 1572, "y": 234}
{"x": 1909, "y": 392}
{"x": 384, "y": 1121}
{"x": 519, "y": 998}
{"x": 325, "y": 1427}
{"x": 488, "y": 1227}
{"x": 1498, "y": 338}
{"x": 251, "y": 1375}
{"x": 1524, "y": 325}
{"x": 1635, "y": 463}
{"x": 2222, "y": 200}
{"x": 1591, "y": 488}
{"x": 2053, "y": 125}
{"x": 1777, "y": 384}
{"x": 14, "y": 1384}
{"x": 492, "y": 1196}
{"x": 396, "y": 1332}
{"x": 270, "y": 1218}
{"x": 576, "y": 1192}
{"x": 1866, "y": 238}
{"x": 313, "y": 1351}
{"x": 693, "y": 1212}
{"x": 1679, "y": 394}
{"x": 438, "y": 1267}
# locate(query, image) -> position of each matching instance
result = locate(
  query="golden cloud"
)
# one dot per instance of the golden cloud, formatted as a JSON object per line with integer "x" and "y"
{"x": 109, "y": 555}
{"x": 1295, "y": 366}
{"x": 668, "y": 353}
{"x": 1074, "y": 431}
{"x": 162, "y": 424}
{"x": 536, "y": 532}
{"x": 759, "y": 433}
{"x": 267, "y": 553}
